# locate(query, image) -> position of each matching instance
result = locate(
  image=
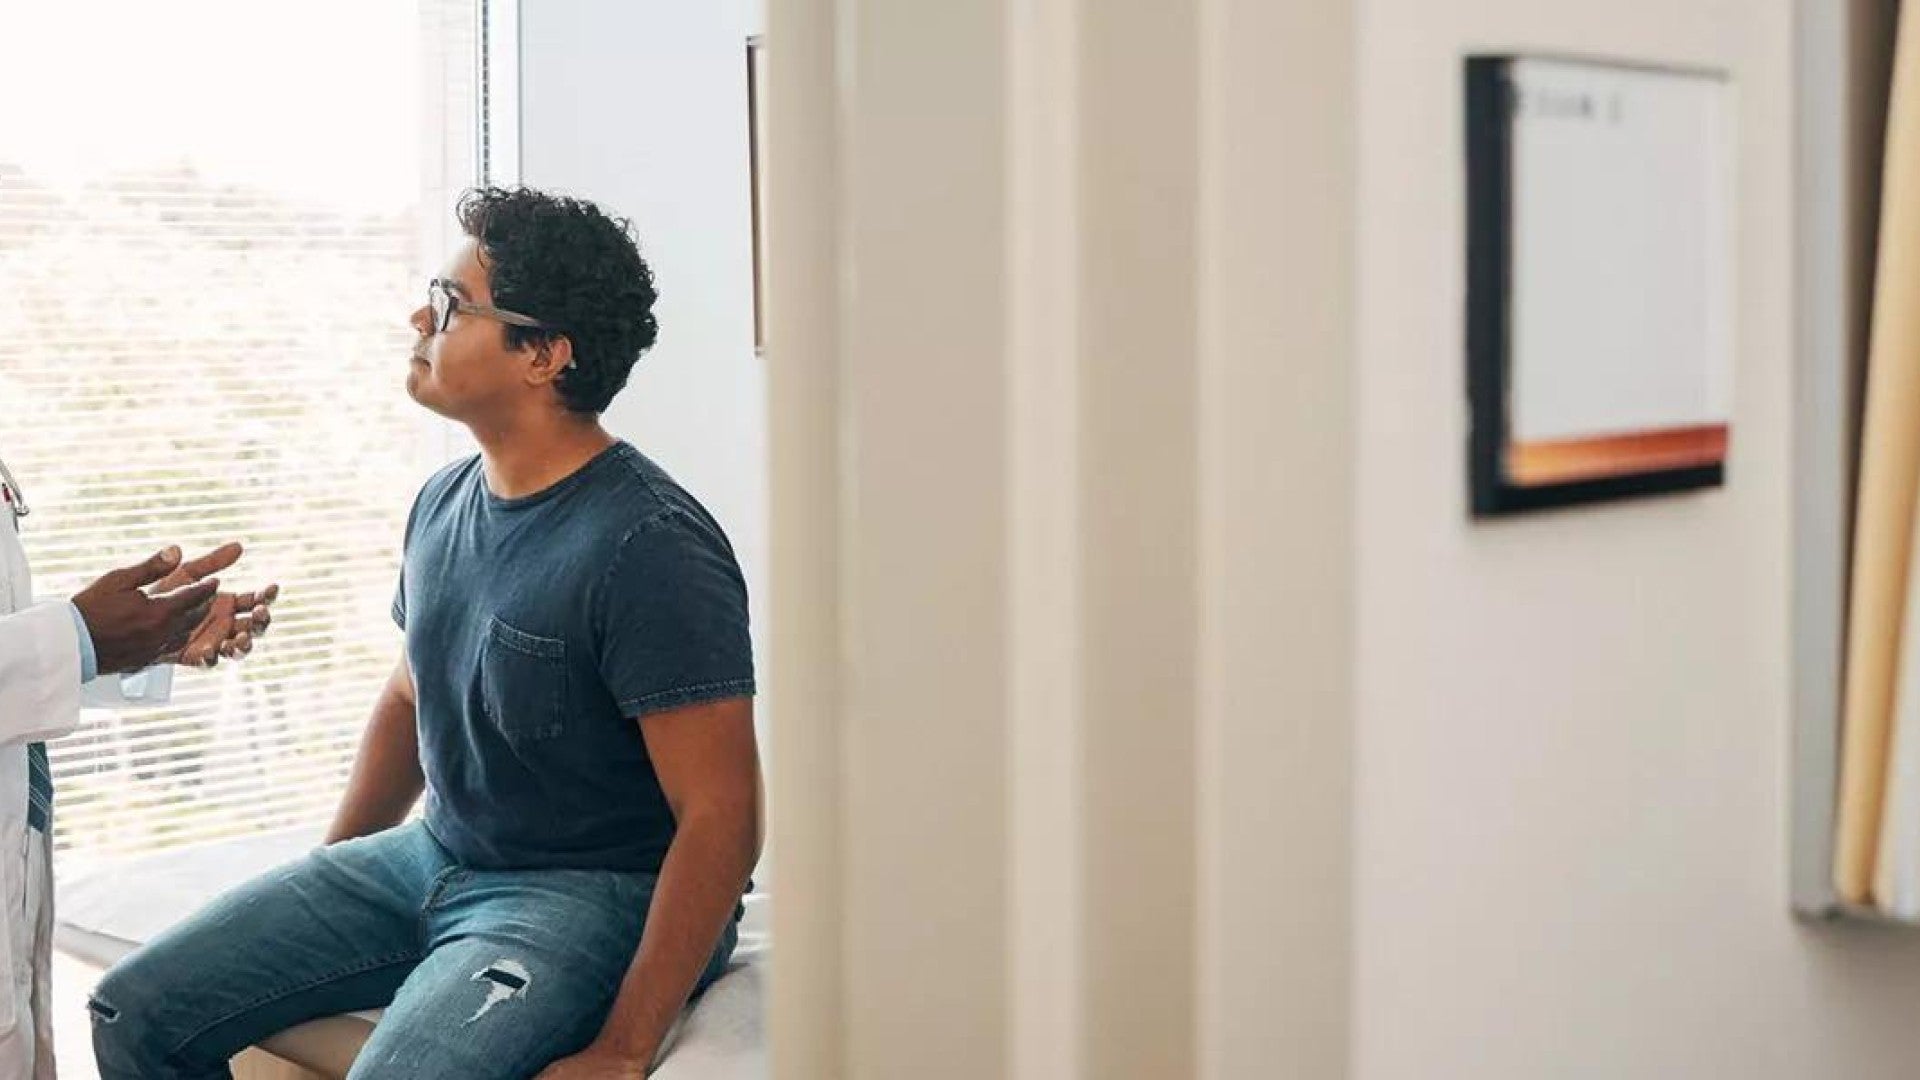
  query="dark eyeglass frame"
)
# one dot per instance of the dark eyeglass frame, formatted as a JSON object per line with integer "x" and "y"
{"x": 445, "y": 303}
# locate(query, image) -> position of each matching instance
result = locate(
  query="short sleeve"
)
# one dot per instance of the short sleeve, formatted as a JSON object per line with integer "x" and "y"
{"x": 406, "y": 542}
{"x": 400, "y": 597}
{"x": 671, "y": 615}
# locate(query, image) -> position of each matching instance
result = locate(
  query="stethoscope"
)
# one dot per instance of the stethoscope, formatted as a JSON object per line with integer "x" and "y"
{"x": 10, "y": 493}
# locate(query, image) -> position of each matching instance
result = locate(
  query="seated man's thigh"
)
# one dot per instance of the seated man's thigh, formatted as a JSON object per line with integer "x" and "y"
{"x": 523, "y": 969}
{"x": 335, "y": 931}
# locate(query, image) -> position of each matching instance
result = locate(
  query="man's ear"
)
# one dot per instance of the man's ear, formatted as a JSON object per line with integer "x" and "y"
{"x": 551, "y": 359}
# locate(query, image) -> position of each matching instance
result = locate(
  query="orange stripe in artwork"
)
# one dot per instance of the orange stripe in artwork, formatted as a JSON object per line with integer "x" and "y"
{"x": 1605, "y": 457}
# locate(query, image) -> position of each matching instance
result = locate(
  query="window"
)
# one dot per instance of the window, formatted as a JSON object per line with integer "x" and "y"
{"x": 210, "y": 240}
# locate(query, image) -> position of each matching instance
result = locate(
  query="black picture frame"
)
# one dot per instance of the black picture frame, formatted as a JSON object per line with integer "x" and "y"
{"x": 1490, "y": 100}
{"x": 757, "y": 182}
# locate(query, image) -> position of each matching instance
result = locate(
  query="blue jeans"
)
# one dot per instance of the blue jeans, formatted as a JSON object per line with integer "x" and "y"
{"x": 484, "y": 973}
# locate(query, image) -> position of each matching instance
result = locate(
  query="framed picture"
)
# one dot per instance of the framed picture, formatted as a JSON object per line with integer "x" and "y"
{"x": 1599, "y": 281}
{"x": 757, "y": 170}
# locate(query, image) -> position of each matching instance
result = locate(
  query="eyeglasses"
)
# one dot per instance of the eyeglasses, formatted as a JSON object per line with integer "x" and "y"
{"x": 445, "y": 303}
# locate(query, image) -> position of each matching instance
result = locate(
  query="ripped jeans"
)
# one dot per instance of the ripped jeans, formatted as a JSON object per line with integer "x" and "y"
{"x": 483, "y": 974}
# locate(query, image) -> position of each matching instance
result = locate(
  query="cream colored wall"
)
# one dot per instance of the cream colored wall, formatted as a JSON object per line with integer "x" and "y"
{"x": 1572, "y": 730}
{"x": 1277, "y": 543}
{"x": 1496, "y": 801}
{"x": 889, "y": 421}
{"x": 981, "y": 779}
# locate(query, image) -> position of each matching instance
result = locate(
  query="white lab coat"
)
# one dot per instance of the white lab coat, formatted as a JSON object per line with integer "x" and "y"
{"x": 40, "y": 699}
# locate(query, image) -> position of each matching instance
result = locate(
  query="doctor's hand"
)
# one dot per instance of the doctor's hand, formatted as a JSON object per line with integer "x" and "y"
{"x": 132, "y": 628}
{"x": 232, "y": 622}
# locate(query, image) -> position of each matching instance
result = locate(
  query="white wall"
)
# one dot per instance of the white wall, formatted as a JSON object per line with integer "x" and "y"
{"x": 987, "y": 563}
{"x": 1572, "y": 731}
{"x": 1276, "y": 392}
{"x": 641, "y": 106}
{"x": 1569, "y": 734}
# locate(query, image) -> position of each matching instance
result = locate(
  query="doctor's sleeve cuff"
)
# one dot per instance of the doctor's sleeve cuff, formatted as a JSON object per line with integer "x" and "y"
{"x": 89, "y": 659}
{"x": 153, "y": 686}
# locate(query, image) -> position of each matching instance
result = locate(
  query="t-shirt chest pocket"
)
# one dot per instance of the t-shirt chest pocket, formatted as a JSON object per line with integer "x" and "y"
{"x": 523, "y": 682}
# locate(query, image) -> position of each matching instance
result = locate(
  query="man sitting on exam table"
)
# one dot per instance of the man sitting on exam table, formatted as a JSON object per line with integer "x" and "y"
{"x": 575, "y": 700}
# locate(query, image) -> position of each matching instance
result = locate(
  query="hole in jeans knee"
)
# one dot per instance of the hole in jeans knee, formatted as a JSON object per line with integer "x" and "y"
{"x": 506, "y": 980}
{"x": 102, "y": 1012}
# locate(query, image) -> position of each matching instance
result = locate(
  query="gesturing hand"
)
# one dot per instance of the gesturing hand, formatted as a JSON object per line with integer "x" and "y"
{"x": 232, "y": 621}
{"x": 132, "y": 627}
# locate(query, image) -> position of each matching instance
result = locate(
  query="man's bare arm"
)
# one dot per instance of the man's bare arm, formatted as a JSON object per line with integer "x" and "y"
{"x": 386, "y": 776}
{"x": 709, "y": 769}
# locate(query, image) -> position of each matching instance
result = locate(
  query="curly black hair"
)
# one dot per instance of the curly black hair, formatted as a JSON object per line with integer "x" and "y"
{"x": 569, "y": 264}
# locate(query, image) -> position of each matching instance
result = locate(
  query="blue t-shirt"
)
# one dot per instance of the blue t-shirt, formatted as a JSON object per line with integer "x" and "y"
{"x": 539, "y": 630}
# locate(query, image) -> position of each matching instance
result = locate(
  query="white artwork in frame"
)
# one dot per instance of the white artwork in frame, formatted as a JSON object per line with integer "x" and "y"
{"x": 1601, "y": 280}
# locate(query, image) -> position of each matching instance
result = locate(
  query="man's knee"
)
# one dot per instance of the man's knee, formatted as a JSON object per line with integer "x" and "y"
{"x": 119, "y": 1042}
{"x": 131, "y": 1035}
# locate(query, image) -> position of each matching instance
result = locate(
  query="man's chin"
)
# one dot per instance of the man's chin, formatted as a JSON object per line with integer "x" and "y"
{"x": 419, "y": 390}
